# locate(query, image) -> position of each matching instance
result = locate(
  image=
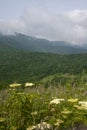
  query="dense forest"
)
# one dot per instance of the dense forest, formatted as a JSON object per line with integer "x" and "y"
{"x": 21, "y": 66}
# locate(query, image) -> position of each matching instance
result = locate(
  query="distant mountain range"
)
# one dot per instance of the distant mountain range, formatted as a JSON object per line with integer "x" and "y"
{"x": 32, "y": 44}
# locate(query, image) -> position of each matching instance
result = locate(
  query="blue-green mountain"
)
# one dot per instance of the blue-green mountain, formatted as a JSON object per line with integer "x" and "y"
{"x": 32, "y": 44}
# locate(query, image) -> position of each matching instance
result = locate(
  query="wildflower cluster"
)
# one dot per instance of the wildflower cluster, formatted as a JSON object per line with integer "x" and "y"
{"x": 39, "y": 111}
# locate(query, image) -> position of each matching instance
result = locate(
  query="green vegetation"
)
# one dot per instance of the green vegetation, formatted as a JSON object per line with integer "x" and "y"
{"x": 58, "y": 98}
{"x": 32, "y": 107}
{"x": 22, "y": 66}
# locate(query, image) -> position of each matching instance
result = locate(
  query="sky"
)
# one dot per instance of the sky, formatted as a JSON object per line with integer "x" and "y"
{"x": 61, "y": 20}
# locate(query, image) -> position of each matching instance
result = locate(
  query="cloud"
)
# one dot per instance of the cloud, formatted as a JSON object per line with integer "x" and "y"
{"x": 69, "y": 26}
{"x": 9, "y": 27}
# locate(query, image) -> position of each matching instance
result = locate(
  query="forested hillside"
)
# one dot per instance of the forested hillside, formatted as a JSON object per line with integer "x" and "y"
{"x": 17, "y": 65}
{"x": 23, "y": 66}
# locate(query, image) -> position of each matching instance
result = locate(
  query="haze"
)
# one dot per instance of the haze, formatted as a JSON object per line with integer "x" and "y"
{"x": 64, "y": 20}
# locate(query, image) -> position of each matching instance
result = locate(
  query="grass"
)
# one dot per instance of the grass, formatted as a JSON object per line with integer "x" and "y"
{"x": 56, "y": 107}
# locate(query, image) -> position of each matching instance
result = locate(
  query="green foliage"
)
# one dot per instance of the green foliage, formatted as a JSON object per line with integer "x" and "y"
{"x": 21, "y": 66}
{"x": 54, "y": 107}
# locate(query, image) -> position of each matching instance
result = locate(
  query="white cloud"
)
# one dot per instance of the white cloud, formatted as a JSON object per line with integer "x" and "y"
{"x": 9, "y": 27}
{"x": 77, "y": 16}
{"x": 68, "y": 26}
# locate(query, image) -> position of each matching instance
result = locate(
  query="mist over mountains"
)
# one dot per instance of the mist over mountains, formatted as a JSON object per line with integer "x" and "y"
{"x": 32, "y": 44}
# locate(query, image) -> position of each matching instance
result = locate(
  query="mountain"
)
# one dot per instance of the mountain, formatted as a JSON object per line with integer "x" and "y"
{"x": 33, "y": 44}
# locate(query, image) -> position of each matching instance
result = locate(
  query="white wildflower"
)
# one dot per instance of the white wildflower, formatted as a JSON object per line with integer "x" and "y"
{"x": 73, "y": 100}
{"x": 79, "y": 107}
{"x": 43, "y": 125}
{"x": 34, "y": 113}
{"x": 29, "y": 84}
{"x": 61, "y": 99}
{"x": 58, "y": 122}
{"x": 83, "y": 104}
{"x": 31, "y": 128}
{"x": 65, "y": 111}
{"x": 56, "y": 101}
{"x": 14, "y": 85}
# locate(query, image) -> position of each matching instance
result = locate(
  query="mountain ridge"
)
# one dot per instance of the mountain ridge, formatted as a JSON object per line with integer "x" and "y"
{"x": 32, "y": 44}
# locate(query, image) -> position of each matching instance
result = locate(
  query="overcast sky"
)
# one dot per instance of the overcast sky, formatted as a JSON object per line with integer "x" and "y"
{"x": 64, "y": 20}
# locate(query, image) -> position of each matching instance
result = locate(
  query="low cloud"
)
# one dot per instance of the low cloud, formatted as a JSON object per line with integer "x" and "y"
{"x": 9, "y": 27}
{"x": 69, "y": 26}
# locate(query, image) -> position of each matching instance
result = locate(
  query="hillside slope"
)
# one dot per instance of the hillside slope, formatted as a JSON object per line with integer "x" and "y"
{"x": 22, "y": 66}
{"x": 32, "y": 44}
